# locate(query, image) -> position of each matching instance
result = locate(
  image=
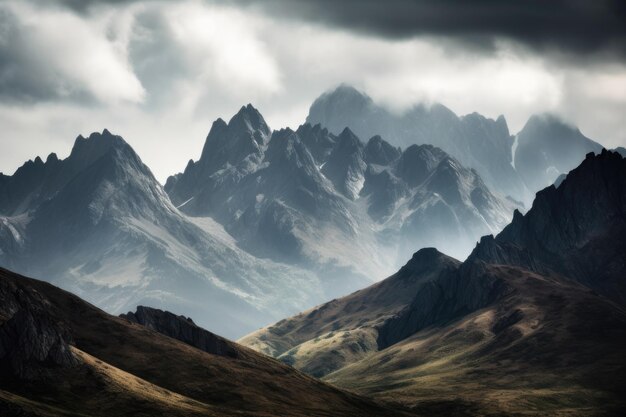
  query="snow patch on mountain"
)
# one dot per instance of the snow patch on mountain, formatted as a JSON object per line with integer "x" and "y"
{"x": 514, "y": 150}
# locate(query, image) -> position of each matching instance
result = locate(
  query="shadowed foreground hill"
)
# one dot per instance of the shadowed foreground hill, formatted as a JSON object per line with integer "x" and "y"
{"x": 62, "y": 356}
{"x": 532, "y": 323}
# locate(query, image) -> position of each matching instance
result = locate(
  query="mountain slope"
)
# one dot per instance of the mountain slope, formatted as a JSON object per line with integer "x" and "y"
{"x": 114, "y": 367}
{"x": 110, "y": 233}
{"x": 328, "y": 337}
{"x": 542, "y": 301}
{"x": 576, "y": 230}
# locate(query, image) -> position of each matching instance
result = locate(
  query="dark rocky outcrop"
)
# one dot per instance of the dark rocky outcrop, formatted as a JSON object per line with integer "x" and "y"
{"x": 31, "y": 342}
{"x": 181, "y": 328}
{"x": 575, "y": 230}
{"x": 453, "y": 294}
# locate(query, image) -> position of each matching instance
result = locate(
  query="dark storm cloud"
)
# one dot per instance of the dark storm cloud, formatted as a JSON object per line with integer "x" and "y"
{"x": 571, "y": 26}
{"x": 577, "y": 26}
{"x": 21, "y": 79}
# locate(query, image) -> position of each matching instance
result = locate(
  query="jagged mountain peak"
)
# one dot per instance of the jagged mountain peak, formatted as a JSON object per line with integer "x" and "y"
{"x": 345, "y": 166}
{"x": 379, "y": 151}
{"x": 346, "y": 92}
{"x": 318, "y": 140}
{"x": 588, "y": 173}
{"x": 36, "y": 181}
{"x": 248, "y": 117}
{"x": 418, "y": 161}
{"x": 549, "y": 120}
{"x": 52, "y": 158}
{"x": 315, "y": 129}
{"x": 478, "y": 121}
{"x": 286, "y": 148}
{"x": 181, "y": 328}
{"x": 281, "y": 138}
{"x": 245, "y": 136}
{"x": 476, "y": 141}
{"x": 283, "y": 132}
{"x": 95, "y": 145}
{"x": 347, "y": 138}
{"x": 426, "y": 258}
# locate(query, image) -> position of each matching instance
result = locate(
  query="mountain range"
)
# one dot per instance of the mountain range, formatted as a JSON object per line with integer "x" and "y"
{"x": 529, "y": 319}
{"x": 264, "y": 223}
{"x": 99, "y": 224}
{"x": 534, "y": 321}
{"x": 306, "y": 196}
{"x": 513, "y": 165}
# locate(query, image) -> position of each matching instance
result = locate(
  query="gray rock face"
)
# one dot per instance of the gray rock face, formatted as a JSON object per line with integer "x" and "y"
{"x": 477, "y": 142}
{"x": 346, "y": 165}
{"x": 547, "y": 147}
{"x": 181, "y": 328}
{"x": 317, "y": 140}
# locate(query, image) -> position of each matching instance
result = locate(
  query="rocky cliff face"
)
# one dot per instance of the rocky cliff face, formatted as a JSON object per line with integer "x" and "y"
{"x": 31, "y": 343}
{"x": 575, "y": 229}
{"x": 181, "y": 328}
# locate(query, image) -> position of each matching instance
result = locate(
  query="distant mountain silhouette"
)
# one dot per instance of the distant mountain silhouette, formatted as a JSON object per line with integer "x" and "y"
{"x": 513, "y": 165}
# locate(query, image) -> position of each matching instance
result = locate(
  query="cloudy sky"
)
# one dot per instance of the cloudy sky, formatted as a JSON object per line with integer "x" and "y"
{"x": 159, "y": 72}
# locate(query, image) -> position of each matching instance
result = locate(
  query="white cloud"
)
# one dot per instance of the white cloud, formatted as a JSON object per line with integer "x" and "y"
{"x": 72, "y": 54}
